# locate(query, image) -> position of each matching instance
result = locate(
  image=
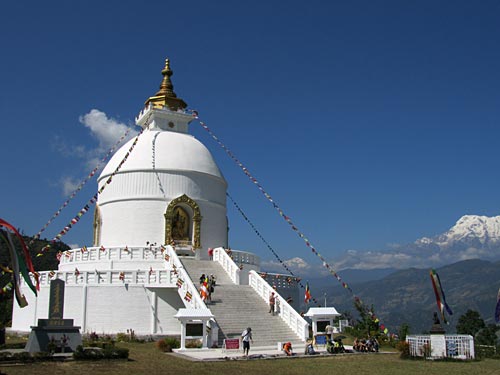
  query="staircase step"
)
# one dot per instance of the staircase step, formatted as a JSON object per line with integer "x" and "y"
{"x": 237, "y": 307}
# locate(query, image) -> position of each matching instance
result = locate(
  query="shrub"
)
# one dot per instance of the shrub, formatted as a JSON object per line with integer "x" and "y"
{"x": 122, "y": 337}
{"x": 167, "y": 344}
{"x": 484, "y": 351}
{"x": 193, "y": 344}
{"x": 404, "y": 348}
{"x": 5, "y": 356}
{"x": 22, "y": 357}
{"x": 42, "y": 356}
{"x": 82, "y": 353}
{"x": 162, "y": 346}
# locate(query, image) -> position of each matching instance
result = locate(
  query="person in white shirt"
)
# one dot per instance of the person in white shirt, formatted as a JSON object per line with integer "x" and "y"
{"x": 246, "y": 337}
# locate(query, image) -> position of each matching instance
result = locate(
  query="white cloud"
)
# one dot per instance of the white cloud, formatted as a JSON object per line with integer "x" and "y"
{"x": 298, "y": 266}
{"x": 105, "y": 130}
{"x": 69, "y": 185}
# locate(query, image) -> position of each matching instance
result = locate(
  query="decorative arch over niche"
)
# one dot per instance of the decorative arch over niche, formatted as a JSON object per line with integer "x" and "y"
{"x": 97, "y": 225}
{"x": 178, "y": 209}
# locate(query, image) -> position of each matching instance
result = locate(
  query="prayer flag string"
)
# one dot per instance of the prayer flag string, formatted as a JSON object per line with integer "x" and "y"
{"x": 245, "y": 170}
{"x": 245, "y": 217}
{"x": 81, "y": 185}
{"x": 93, "y": 200}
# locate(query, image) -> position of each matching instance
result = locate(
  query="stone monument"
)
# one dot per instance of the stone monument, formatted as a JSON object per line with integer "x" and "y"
{"x": 55, "y": 334}
{"x": 438, "y": 342}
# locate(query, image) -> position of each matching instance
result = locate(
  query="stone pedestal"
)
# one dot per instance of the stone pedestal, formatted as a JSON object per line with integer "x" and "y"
{"x": 57, "y": 335}
{"x": 438, "y": 346}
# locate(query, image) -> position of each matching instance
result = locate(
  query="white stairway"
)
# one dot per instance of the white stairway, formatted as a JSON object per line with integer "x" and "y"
{"x": 237, "y": 307}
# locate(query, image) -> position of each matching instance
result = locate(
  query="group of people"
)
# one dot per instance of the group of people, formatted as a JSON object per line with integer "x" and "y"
{"x": 335, "y": 346}
{"x": 365, "y": 345}
{"x": 207, "y": 287}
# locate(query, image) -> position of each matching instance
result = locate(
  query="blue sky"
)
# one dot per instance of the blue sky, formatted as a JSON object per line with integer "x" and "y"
{"x": 369, "y": 122}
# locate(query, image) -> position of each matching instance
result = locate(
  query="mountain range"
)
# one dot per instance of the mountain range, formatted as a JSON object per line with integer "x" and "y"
{"x": 472, "y": 237}
{"x": 407, "y": 296}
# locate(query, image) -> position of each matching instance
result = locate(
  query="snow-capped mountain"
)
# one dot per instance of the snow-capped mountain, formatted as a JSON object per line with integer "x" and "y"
{"x": 472, "y": 237}
{"x": 470, "y": 230}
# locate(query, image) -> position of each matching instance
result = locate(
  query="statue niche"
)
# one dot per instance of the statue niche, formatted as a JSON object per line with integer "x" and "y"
{"x": 183, "y": 222}
{"x": 180, "y": 224}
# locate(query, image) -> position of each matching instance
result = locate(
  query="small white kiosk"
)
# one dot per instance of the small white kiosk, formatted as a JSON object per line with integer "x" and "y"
{"x": 322, "y": 317}
{"x": 195, "y": 318}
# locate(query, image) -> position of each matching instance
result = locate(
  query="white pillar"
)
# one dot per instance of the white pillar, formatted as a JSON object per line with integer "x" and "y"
{"x": 204, "y": 344}
{"x": 84, "y": 305}
{"x": 154, "y": 317}
{"x": 183, "y": 334}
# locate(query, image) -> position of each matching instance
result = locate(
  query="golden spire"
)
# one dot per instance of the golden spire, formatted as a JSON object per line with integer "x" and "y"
{"x": 166, "y": 95}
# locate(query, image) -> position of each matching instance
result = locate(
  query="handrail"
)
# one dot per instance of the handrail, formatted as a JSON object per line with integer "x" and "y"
{"x": 222, "y": 256}
{"x": 187, "y": 291}
{"x": 160, "y": 278}
{"x": 291, "y": 317}
{"x": 92, "y": 254}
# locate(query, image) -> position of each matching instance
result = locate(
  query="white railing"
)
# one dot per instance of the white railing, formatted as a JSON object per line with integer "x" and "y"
{"x": 160, "y": 278}
{"x": 291, "y": 317}
{"x": 167, "y": 277}
{"x": 457, "y": 346}
{"x": 221, "y": 256}
{"x": 244, "y": 257}
{"x": 187, "y": 288}
{"x": 92, "y": 254}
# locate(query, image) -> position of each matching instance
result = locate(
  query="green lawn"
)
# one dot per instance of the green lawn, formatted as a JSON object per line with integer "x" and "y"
{"x": 146, "y": 359}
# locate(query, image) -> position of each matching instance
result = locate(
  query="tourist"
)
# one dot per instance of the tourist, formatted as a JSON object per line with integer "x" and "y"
{"x": 211, "y": 253}
{"x": 287, "y": 348}
{"x": 202, "y": 278}
{"x": 246, "y": 337}
{"x": 310, "y": 349}
{"x": 329, "y": 331}
{"x": 272, "y": 301}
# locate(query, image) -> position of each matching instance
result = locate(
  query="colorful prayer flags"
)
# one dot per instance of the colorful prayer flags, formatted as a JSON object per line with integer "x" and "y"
{"x": 307, "y": 296}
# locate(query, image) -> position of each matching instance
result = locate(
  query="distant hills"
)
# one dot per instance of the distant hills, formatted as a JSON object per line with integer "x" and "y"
{"x": 406, "y": 296}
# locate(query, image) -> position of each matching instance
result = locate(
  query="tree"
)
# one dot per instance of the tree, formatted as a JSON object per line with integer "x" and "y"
{"x": 366, "y": 323}
{"x": 470, "y": 323}
{"x": 403, "y": 331}
{"x": 488, "y": 335}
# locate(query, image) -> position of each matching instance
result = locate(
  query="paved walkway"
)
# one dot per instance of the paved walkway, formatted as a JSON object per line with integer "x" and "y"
{"x": 261, "y": 352}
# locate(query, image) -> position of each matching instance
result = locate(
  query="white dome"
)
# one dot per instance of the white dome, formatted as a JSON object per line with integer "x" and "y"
{"x": 173, "y": 152}
{"x": 162, "y": 167}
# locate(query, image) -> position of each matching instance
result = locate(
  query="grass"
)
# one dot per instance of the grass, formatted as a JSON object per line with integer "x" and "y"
{"x": 146, "y": 359}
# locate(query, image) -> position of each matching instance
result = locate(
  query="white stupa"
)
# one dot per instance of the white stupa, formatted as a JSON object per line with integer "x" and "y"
{"x": 169, "y": 188}
{"x": 161, "y": 197}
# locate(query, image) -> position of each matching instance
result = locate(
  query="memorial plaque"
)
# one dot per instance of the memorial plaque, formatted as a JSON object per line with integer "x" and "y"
{"x": 56, "y": 299}
{"x": 54, "y": 334}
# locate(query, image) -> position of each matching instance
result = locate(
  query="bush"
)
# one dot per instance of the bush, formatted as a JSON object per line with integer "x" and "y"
{"x": 485, "y": 351}
{"x": 193, "y": 344}
{"x": 42, "y": 356}
{"x": 22, "y": 357}
{"x": 167, "y": 344}
{"x": 82, "y": 353}
{"x": 162, "y": 346}
{"x": 404, "y": 348}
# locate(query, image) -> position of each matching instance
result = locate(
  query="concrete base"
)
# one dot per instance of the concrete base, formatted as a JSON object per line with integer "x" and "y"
{"x": 438, "y": 346}
{"x": 60, "y": 339}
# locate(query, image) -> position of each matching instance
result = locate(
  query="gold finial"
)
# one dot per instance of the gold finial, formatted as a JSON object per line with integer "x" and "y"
{"x": 166, "y": 95}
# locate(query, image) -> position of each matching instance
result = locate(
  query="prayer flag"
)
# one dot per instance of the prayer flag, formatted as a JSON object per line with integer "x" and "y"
{"x": 307, "y": 296}
{"x": 497, "y": 310}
